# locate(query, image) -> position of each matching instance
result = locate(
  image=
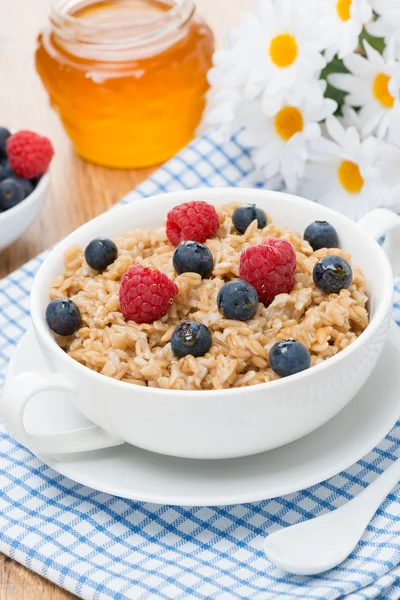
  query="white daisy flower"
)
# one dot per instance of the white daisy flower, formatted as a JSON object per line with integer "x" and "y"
{"x": 374, "y": 85}
{"x": 346, "y": 173}
{"x": 275, "y": 54}
{"x": 342, "y": 22}
{"x": 280, "y": 141}
{"x": 387, "y": 25}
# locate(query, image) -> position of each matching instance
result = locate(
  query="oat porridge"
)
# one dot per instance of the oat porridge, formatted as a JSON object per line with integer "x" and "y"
{"x": 216, "y": 299}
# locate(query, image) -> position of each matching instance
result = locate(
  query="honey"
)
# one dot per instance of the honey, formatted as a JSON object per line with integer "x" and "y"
{"x": 128, "y": 78}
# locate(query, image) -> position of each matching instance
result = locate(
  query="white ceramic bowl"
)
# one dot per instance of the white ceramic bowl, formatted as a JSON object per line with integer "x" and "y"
{"x": 207, "y": 424}
{"x": 15, "y": 221}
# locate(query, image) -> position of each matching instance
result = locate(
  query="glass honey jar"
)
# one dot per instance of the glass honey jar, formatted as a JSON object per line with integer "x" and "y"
{"x": 128, "y": 78}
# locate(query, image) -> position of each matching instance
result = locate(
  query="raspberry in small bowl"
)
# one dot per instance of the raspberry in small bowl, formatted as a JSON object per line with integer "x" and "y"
{"x": 24, "y": 160}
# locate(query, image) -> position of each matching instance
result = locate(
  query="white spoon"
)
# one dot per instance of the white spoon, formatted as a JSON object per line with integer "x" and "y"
{"x": 317, "y": 545}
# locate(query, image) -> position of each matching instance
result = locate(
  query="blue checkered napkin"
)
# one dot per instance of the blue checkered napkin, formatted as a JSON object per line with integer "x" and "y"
{"x": 98, "y": 546}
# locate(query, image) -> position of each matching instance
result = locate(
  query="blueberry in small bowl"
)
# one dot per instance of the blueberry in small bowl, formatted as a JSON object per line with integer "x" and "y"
{"x": 4, "y": 135}
{"x": 12, "y": 192}
{"x": 6, "y": 170}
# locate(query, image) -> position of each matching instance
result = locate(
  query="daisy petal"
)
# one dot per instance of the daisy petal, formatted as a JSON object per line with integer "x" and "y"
{"x": 373, "y": 55}
{"x": 358, "y": 65}
{"x": 335, "y": 130}
{"x": 370, "y": 116}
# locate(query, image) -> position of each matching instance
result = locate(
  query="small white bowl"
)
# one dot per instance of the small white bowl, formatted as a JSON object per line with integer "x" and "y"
{"x": 15, "y": 221}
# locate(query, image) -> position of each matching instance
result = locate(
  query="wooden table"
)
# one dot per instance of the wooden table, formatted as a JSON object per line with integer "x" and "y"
{"x": 79, "y": 191}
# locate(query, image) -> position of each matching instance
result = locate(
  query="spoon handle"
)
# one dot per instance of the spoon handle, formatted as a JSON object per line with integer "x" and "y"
{"x": 370, "y": 499}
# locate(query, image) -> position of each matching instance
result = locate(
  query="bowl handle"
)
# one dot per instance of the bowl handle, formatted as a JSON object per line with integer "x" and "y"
{"x": 383, "y": 222}
{"x": 16, "y": 394}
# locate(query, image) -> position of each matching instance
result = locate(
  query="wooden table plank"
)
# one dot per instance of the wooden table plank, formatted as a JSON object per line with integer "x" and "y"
{"x": 78, "y": 192}
{"x": 17, "y": 583}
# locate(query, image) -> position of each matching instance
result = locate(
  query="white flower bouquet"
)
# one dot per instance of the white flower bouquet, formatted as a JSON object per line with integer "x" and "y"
{"x": 313, "y": 88}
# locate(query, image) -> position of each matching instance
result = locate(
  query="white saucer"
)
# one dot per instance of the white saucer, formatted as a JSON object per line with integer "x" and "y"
{"x": 132, "y": 473}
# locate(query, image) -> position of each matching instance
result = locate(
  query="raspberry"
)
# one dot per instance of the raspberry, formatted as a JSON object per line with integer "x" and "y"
{"x": 146, "y": 294}
{"x": 195, "y": 221}
{"x": 269, "y": 268}
{"x": 29, "y": 153}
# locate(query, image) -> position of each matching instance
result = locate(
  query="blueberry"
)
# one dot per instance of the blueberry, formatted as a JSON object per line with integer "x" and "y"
{"x": 321, "y": 234}
{"x": 63, "y": 316}
{"x": 192, "y": 338}
{"x": 6, "y": 171}
{"x": 246, "y": 214}
{"x": 100, "y": 253}
{"x": 288, "y": 357}
{"x": 4, "y": 135}
{"x": 25, "y": 184}
{"x": 332, "y": 274}
{"x": 193, "y": 257}
{"x": 35, "y": 181}
{"x": 237, "y": 300}
{"x": 11, "y": 193}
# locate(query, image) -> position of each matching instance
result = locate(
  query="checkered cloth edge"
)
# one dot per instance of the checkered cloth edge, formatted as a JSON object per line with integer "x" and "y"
{"x": 100, "y": 547}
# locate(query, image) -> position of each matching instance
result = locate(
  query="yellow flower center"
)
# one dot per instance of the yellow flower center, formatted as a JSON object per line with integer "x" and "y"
{"x": 288, "y": 121}
{"x": 283, "y": 50}
{"x": 343, "y": 9}
{"x": 350, "y": 177}
{"x": 381, "y": 91}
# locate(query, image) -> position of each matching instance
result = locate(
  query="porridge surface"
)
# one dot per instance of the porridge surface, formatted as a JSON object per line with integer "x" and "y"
{"x": 239, "y": 356}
